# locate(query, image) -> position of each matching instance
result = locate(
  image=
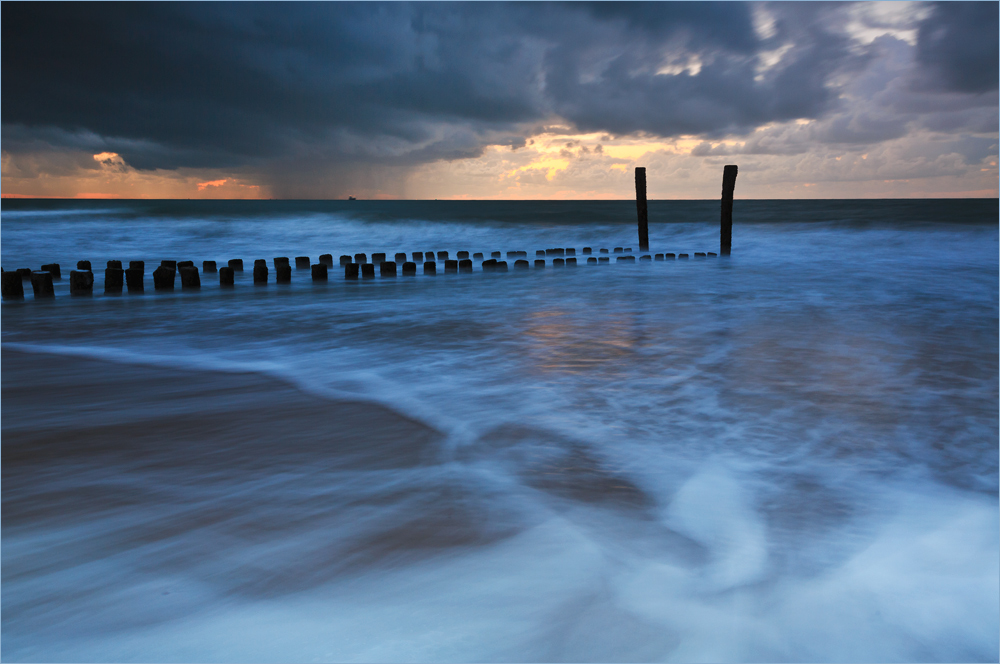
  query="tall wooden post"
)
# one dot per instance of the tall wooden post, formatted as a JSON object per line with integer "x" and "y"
{"x": 640, "y": 205}
{"x": 726, "y": 232}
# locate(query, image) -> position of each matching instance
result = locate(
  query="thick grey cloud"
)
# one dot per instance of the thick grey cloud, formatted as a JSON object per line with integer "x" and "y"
{"x": 295, "y": 88}
{"x": 959, "y": 47}
{"x": 217, "y": 84}
{"x": 728, "y": 92}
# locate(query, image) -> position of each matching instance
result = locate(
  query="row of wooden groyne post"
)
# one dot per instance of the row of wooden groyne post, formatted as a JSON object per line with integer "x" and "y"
{"x": 118, "y": 279}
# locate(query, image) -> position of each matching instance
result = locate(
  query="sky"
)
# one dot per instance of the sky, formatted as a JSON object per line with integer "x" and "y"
{"x": 480, "y": 100}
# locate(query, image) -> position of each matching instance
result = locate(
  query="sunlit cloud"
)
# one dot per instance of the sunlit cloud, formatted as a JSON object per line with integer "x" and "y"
{"x": 773, "y": 164}
{"x": 111, "y": 163}
{"x": 53, "y": 174}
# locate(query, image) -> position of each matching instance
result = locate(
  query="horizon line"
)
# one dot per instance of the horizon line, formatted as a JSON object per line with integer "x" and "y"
{"x": 22, "y": 197}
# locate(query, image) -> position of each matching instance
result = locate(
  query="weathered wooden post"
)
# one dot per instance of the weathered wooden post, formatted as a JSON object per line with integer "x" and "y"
{"x": 319, "y": 272}
{"x": 351, "y": 270}
{"x": 25, "y": 273}
{"x": 41, "y": 284}
{"x": 227, "y": 276}
{"x": 409, "y": 268}
{"x": 236, "y": 264}
{"x": 378, "y": 257}
{"x": 163, "y": 278}
{"x": 137, "y": 265}
{"x": 728, "y": 185}
{"x": 117, "y": 264}
{"x": 53, "y": 269}
{"x": 83, "y": 265}
{"x": 302, "y": 263}
{"x": 326, "y": 259}
{"x": 430, "y": 267}
{"x": 358, "y": 258}
{"x": 13, "y": 286}
{"x": 114, "y": 279}
{"x": 190, "y": 278}
{"x": 640, "y": 206}
{"x": 400, "y": 257}
{"x": 283, "y": 273}
{"x": 260, "y": 271}
{"x": 209, "y": 266}
{"x": 81, "y": 282}
{"x": 345, "y": 260}
{"x": 133, "y": 278}
{"x": 368, "y": 270}
{"x": 450, "y": 265}
{"x": 465, "y": 264}
{"x": 387, "y": 268}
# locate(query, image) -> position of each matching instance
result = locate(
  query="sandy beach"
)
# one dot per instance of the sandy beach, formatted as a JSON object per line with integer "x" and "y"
{"x": 134, "y": 469}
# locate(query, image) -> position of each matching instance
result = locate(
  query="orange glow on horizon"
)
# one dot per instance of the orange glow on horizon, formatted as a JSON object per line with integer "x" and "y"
{"x": 83, "y": 195}
{"x": 213, "y": 183}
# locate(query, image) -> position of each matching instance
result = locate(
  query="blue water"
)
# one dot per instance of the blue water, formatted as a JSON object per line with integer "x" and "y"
{"x": 787, "y": 454}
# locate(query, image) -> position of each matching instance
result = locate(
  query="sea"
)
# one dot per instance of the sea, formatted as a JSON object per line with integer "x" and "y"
{"x": 789, "y": 453}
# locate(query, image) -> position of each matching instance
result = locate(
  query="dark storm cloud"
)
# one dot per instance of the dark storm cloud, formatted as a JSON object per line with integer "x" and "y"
{"x": 246, "y": 85}
{"x": 218, "y": 83}
{"x": 958, "y": 45}
{"x": 730, "y": 91}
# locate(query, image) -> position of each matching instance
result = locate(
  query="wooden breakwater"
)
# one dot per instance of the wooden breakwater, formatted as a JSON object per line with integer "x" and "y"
{"x": 170, "y": 274}
{"x": 132, "y": 280}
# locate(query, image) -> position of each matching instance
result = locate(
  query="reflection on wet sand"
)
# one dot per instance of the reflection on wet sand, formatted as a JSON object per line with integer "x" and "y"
{"x": 563, "y": 342}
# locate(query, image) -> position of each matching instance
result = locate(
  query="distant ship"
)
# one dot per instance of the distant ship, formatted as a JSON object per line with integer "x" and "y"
{"x": 351, "y": 198}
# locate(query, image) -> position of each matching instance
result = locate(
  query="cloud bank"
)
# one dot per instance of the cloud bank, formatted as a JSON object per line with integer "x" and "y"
{"x": 324, "y": 99}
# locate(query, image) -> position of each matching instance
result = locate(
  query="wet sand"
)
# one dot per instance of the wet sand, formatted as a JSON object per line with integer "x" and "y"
{"x": 121, "y": 482}
{"x": 138, "y": 496}
{"x": 61, "y": 408}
